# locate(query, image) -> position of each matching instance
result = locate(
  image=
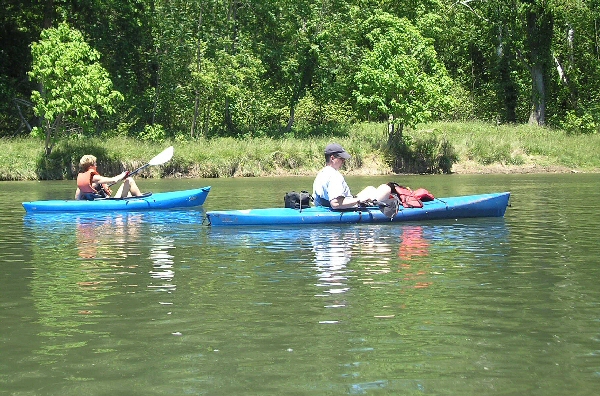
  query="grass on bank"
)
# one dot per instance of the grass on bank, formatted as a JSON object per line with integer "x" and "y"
{"x": 478, "y": 144}
{"x": 519, "y": 145}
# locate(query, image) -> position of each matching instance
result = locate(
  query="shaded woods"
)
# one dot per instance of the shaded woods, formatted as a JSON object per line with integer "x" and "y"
{"x": 154, "y": 70}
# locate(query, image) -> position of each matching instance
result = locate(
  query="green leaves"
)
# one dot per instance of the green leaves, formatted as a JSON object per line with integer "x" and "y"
{"x": 74, "y": 85}
{"x": 400, "y": 75}
{"x": 248, "y": 67}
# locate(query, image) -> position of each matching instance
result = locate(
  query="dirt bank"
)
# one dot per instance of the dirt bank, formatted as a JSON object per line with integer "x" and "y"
{"x": 469, "y": 167}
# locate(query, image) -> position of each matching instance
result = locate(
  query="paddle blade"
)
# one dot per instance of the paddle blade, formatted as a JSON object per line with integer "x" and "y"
{"x": 163, "y": 157}
{"x": 160, "y": 159}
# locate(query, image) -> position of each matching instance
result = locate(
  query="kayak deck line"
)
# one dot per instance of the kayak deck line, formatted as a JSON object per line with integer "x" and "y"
{"x": 148, "y": 201}
{"x": 144, "y": 195}
{"x": 468, "y": 206}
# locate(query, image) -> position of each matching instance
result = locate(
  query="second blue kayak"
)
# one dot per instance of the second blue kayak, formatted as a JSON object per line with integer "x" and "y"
{"x": 483, "y": 205}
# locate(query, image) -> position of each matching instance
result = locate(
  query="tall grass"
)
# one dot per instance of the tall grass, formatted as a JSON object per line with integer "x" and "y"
{"x": 19, "y": 157}
{"x": 478, "y": 143}
{"x": 487, "y": 144}
{"x": 228, "y": 157}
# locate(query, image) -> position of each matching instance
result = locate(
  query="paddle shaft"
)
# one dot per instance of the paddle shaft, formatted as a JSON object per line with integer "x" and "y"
{"x": 138, "y": 170}
{"x": 160, "y": 159}
{"x": 135, "y": 172}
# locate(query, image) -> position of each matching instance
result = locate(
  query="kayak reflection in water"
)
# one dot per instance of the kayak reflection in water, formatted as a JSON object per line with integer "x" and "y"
{"x": 412, "y": 243}
{"x": 332, "y": 254}
{"x": 113, "y": 236}
{"x": 92, "y": 185}
{"x": 413, "y": 247}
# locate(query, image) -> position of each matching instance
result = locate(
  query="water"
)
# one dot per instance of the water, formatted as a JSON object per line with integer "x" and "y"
{"x": 159, "y": 303}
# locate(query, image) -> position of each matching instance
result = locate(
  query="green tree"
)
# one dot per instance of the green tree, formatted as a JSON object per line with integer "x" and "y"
{"x": 400, "y": 78}
{"x": 576, "y": 58}
{"x": 307, "y": 50}
{"x": 19, "y": 26}
{"x": 482, "y": 46}
{"x": 121, "y": 30}
{"x": 540, "y": 28}
{"x": 284, "y": 40}
{"x": 75, "y": 86}
{"x": 208, "y": 76}
{"x": 532, "y": 55}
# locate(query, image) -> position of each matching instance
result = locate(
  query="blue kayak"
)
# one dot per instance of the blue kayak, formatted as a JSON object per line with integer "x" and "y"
{"x": 163, "y": 200}
{"x": 483, "y": 205}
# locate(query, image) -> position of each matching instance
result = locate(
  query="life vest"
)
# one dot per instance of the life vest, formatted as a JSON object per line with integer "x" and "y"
{"x": 410, "y": 198}
{"x": 423, "y": 195}
{"x": 87, "y": 186}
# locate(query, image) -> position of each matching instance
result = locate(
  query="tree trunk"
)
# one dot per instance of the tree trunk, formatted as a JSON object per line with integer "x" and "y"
{"x": 198, "y": 69}
{"x": 48, "y": 14}
{"x": 48, "y": 140}
{"x": 233, "y": 22}
{"x": 228, "y": 117}
{"x": 395, "y": 143}
{"x": 538, "y": 107}
{"x": 157, "y": 90}
{"x": 195, "y": 116}
{"x": 24, "y": 121}
{"x": 563, "y": 72}
{"x": 51, "y": 129}
{"x": 48, "y": 18}
{"x": 540, "y": 24}
{"x": 290, "y": 122}
{"x": 508, "y": 93}
{"x": 394, "y": 134}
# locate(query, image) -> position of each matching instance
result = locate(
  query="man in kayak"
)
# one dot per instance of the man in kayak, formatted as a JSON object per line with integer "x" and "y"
{"x": 91, "y": 185}
{"x": 330, "y": 188}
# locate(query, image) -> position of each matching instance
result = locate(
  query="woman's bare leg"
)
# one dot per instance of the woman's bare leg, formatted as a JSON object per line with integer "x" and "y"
{"x": 128, "y": 188}
{"x": 371, "y": 193}
{"x": 383, "y": 192}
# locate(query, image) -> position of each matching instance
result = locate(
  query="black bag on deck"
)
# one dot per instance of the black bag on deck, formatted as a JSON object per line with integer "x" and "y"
{"x": 297, "y": 200}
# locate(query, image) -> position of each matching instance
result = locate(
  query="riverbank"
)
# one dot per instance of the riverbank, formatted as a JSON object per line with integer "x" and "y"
{"x": 478, "y": 148}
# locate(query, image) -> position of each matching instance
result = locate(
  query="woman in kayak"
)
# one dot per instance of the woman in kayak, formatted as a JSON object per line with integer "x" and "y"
{"x": 330, "y": 188}
{"x": 91, "y": 185}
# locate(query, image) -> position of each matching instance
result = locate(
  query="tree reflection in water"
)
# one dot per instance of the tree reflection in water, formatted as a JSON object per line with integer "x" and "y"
{"x": 80, "y": 263}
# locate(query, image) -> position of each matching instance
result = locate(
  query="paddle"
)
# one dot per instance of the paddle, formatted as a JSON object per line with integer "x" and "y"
{"x": 160, "y": 159}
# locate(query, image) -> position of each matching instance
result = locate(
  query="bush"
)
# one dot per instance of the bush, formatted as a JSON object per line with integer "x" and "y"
{"x": 424, "y": 155}
{"x": 153, "y": 133}
{"x": 579, "y": 125}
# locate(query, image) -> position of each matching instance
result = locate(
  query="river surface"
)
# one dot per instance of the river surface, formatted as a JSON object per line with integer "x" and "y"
{"x": 161, "y": 304}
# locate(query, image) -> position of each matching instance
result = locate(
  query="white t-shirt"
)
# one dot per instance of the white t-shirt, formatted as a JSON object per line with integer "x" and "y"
{"x": 329, "y": 184}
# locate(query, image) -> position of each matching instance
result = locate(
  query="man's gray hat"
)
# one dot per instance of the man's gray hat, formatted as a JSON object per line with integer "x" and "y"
{"x": 337, "y": 150}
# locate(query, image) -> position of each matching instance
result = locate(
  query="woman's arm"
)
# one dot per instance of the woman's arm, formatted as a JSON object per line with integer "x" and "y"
{"x": 102, "y": 180}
